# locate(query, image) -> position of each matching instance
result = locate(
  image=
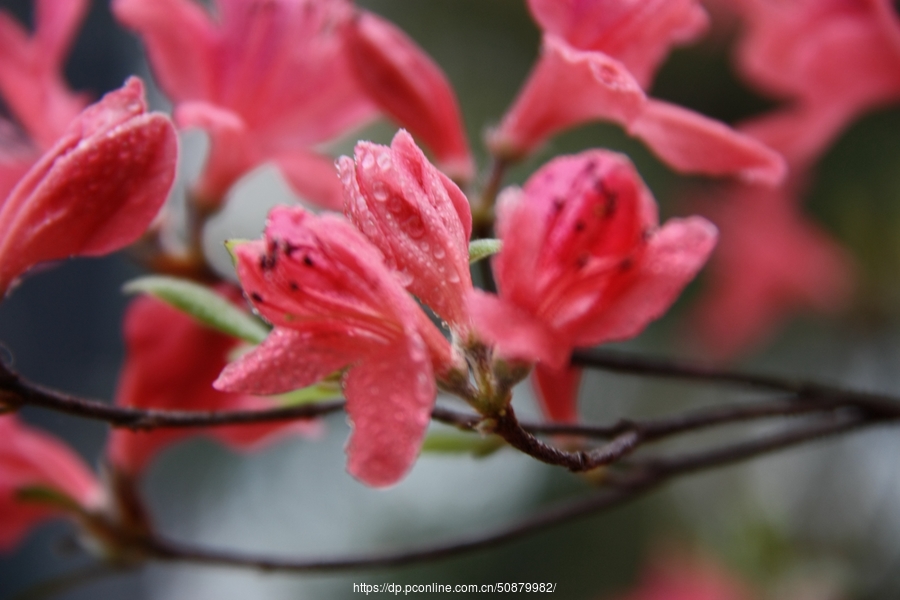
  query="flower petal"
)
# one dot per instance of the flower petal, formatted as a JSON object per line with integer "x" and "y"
{"x": 515, "y": 333}
{"x": 96, "y": 191}
{"x": 692, "y": 143}
{"x": 557, "y": 391}
{"x": 409, "y": 86}
{"x": 672, "y": 258}
{"x": 29, "y": 457}
{"x": 290, "y": 360}
{"x": 639, "y": 33}
{"x": 389, "y": 400}
{"x": 568, "y": 87}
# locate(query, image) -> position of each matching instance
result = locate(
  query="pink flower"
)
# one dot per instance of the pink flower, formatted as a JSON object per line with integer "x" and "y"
{"x": 30, "y": 458}
{"x": 830, "y": 59}
{"x": 638, "y": 33}
{"x": 95, "y": 191}
{"x": 570, "y": 86}
{"x": 31, "y": 69}
{"x": 172, "y": 362}
{"x": 771, "y": 262}
{"x": 583, "y": 262}
{"x": 267, "y": 79}
{"x": 688, "y": 579}
{"x": 336, "y": 306}
{"x": 410, "y": 87}
{"x": 417, "y": 217}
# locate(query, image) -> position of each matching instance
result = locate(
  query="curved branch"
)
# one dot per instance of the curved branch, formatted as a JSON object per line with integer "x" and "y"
{"x": 642, "y": 478}
{"x": 620, "y": 362}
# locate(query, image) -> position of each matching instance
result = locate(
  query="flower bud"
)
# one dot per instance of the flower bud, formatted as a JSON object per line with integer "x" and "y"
{"x": 95, "y": 191}
{"x": 417, "y": 217}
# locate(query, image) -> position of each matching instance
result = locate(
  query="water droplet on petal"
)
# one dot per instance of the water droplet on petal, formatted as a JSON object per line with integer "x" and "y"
{"x": 404, "y": 277}
{"x": 368, "y": 161}
{"x": 379, "y": 192}
{"x": 384, "y": 161}
{"x": 439, "y": 252}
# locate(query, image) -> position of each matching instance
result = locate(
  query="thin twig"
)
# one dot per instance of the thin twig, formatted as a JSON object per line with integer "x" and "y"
{"x": 640, "y": 365}
{"x": 643, "y": 478}
{"x": 508, "y": 427}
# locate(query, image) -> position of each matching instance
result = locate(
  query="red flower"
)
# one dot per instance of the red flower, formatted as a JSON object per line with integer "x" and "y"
{"x": 583, "y": 262}
{"x": 417, "y": 217}
{"x": 688, "y": 579}
{"x": 336, "y": 306}
{"x": 171, "y": 364}
{"x": 95, "y": 191}
{"x": 771, "y": 262}
{"x": 31, "y": 69}
{"x": 30, "y": 458}
{"x": 407, "y": 85}
{"x": 585, "y": 74}
{"x": 830, "y": 59}
{"x": 267, "y": 79}
{"x": 638, "y": 33}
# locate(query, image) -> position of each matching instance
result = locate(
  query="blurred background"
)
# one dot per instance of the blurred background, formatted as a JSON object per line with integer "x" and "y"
{"x": 822, "y": 520}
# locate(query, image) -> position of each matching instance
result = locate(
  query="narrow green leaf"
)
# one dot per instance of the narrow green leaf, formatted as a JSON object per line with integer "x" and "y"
{"x": 479, "y": 249}
{"x": 203, "y": 304}
{"x": 442, "y": 442}
{"x": 39, "y": 494}
{"x": 324, "y": 390}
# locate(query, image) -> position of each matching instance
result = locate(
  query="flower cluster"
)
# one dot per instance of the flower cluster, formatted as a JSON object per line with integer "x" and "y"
{"x": 375, "y": 293}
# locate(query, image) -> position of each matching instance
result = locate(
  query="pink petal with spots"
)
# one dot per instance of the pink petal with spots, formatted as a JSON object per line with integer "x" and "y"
{"x": 672, "y": 258}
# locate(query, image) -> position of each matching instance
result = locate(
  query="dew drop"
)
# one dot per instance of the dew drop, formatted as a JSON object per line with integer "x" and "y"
{"x": 414, "y": 227}
{"x": 384, "y": 161}
{"x": 395, "y": 205}
{"x": 439, "y": 252}
{"x": 368, "y": 161}
{"x": 454, "y": 278}
{"x": 404, "y": 277}
{"x": 379, "y": 192}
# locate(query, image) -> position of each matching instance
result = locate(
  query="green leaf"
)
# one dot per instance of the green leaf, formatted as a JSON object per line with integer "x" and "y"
{"x": 479, "y": 249}
{"x": 39, "y": 494}
{"x": 203, "y": 304}
{"x": 324, "y": 390}
{"x": 443, "y": 442}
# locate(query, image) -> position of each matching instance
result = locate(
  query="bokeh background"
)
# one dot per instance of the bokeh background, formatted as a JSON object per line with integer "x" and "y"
{"x": 827, "y": 515}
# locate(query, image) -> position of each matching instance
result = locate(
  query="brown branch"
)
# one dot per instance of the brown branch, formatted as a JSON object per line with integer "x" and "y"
{"x": 639, "y": 365}
{"x": 642, "y": 478}
{"x": 508, "y": 427}
{"x": 15, "y": 391}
